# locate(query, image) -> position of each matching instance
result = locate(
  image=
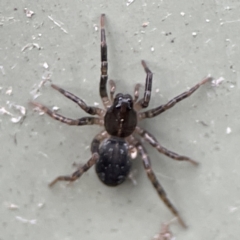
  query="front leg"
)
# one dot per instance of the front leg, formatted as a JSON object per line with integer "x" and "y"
{"x": 77, "y": 122}
{"x": 158, "y": 110}
{"x": 104, "y": 66}
{"x": 80, "y": 102}
{"x": 143, "y": 103}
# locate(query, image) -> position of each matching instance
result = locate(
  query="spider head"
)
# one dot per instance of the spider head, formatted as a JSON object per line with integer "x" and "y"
{"x": 123, "y": 102}
{"x": 121, "y": 119}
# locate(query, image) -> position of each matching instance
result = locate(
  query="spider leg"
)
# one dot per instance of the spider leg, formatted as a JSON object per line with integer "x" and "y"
{"x": 156, "y": 184}
{"x": 153, "y": 141}
{"x": 80, "y": 102}
{"x": 97, "y": 140}
{"x": 77, "y": 174}
{"x": 136, "y": 92}
{"x": 83, "y": 168}
{"x": 104, "y": 66}
{"x": 143, "y": 103}
{"x": 112, "y": 89}
{"x": 69, "y": 121}
{"x": 156, "y": 111}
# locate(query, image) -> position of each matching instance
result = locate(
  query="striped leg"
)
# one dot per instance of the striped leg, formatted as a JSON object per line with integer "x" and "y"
{"x": 80, "y": 102}
{"x": 156, "y": 184}
{"x": 104, "y": 66}
{"x": 153, "y": 141}
{"x": 83, "y": 168}
{"x": 78, "y": 122}
{"x": 77, "y": 174}
{"x": 136, "y": 92}
{"x": 143, "y": 103}
{"x": 158, "y": 110}
{"x": 112, "y": 89}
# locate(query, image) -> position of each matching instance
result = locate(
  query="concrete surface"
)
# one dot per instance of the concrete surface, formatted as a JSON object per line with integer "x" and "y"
{"x": 182, "y": 42}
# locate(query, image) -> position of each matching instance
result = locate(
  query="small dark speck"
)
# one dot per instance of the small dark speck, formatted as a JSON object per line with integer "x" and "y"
{"x": 203, "y": 123}
{"x": 4, "y": 224}
{"x": 231, "y": 67}
{"x": 216, "y": 148}
{"x": 149, "y": 210}
{"x": 172, "y": 41}
{"x": 15, "y": 9}
{"x": 15, "y": 138}
{"x": 206, "y": 135}
{"x": 93, "y": 66}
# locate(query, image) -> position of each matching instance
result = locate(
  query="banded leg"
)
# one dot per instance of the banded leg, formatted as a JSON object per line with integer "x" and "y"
{"x": 156, "y": 111}
{"x": 80, "y": 102}
{"x": 83, "y": 168}
{"x": 78, "y": 122}
{"x": 143, "y": 103}
{"x": 97, "y": 140}
{"x": 112, "y": 89}
{"x": 156, "y": 184}
{"x": 77, "y": 174}
{"x": 136, "y": 92}
{"x": 104, "y": 66}
{"x": 153, "y": 141}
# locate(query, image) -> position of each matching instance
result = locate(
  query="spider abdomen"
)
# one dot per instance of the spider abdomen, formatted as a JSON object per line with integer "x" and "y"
{"x": 113, "y": 165}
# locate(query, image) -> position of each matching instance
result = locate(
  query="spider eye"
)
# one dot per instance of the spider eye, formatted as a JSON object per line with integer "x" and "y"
{"x": 119, "y": 102}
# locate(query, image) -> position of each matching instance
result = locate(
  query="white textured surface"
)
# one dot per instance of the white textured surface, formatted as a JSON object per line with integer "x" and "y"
{"x": 182, "y": 42}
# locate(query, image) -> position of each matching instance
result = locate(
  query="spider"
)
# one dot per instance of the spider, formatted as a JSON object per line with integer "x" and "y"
{"x": 111, "y": 148}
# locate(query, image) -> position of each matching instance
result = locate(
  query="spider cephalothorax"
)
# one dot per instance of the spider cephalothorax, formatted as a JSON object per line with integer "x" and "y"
{"x": 121, "y": 119}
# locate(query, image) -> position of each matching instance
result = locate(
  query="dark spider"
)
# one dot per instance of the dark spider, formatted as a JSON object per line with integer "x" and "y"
{"x": 111, "y": 148}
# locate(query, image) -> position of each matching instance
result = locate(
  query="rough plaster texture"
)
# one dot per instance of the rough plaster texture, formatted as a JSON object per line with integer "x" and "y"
{"x": 183, "y": 42}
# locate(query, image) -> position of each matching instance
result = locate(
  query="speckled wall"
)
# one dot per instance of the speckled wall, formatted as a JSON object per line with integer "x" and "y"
{"x": 58, "y": 41}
